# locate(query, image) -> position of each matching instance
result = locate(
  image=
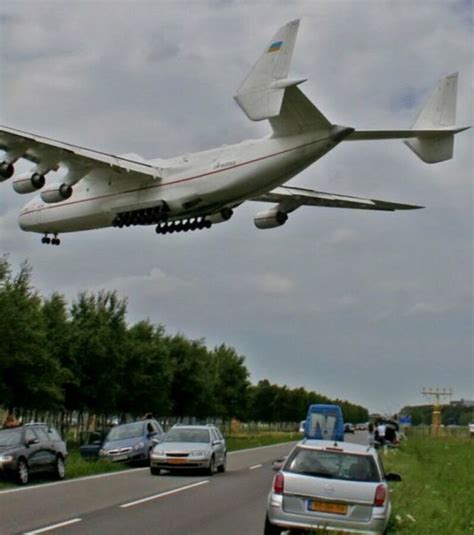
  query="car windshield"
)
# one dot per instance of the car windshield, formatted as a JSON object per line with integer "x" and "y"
{"x": 10, "y": 437}
{"x": 187, "y": 435}
{"x": 332, "y": 465}
{"x": 133, "y": 430}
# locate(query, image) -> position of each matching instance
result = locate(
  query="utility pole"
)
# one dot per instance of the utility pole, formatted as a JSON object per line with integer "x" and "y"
{"x": 437, "y": 394}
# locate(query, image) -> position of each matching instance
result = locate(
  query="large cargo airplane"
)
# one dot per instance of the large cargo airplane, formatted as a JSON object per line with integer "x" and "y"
{"x": 197, "y": 190}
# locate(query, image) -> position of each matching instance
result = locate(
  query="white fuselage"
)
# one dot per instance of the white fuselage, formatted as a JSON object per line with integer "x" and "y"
{"x": 201, "y": 183}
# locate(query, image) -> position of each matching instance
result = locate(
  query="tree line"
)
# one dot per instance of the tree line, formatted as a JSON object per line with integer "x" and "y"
{"x": 84, "y": 358}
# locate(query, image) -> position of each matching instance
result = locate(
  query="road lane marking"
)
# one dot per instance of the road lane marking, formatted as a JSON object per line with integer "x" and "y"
{"x": 53, "y": 526}
{"x": 121, "y": 472}
{"x": 255, "y": 466}
{"x": 162, "y": 494}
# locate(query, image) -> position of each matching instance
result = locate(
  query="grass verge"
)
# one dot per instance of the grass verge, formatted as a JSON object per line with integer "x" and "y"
{"x": 436, "y": 494}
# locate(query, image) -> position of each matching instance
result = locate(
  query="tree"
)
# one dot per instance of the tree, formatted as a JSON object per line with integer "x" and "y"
{"x": 231, "y": 383}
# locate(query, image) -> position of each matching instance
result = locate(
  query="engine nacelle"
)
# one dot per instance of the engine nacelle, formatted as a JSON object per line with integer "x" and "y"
{"x": 270, "y": 219}
{"x": 219, "y": 217}
{"x": 6, "y": 171}
{"x": 56, "y": 193}
{"x": 28, "y": 183}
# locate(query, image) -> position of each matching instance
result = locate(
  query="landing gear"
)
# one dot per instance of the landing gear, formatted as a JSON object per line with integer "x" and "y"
{"x": 53, "y": 241}
{"x": 183, "y": 225}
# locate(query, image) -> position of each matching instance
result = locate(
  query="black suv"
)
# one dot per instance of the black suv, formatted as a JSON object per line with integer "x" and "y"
{"x": 31, "y": 448}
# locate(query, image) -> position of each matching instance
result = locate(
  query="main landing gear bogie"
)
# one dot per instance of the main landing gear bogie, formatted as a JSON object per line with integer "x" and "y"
{"x": 183, "y": 225}
{"x": 53, "y": 241}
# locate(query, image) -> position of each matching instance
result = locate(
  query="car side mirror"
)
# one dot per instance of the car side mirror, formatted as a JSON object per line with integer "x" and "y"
{"x": 32, "y": 441}
{"x": 393, "y": 477}
{"x": 216, "y": 442}
{"x": 155, "y": 440}
{"x": 277, "y": 464}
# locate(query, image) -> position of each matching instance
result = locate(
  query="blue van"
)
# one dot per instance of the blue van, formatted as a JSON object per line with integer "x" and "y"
{"x": 324, "y": 422}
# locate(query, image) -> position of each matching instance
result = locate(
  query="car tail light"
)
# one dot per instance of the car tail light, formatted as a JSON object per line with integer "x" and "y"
{"x": 380, "y": 496}
{"x": 278, "y": 483}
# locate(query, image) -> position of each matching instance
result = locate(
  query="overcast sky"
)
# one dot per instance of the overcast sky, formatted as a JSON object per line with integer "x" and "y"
{"x": 369, "y": 307}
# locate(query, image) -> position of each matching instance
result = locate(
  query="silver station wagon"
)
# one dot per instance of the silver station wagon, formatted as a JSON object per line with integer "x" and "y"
{"x": 324, "y": 485}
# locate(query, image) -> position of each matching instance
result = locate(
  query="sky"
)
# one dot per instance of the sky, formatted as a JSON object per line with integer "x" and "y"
{"x": 367, "y": 307}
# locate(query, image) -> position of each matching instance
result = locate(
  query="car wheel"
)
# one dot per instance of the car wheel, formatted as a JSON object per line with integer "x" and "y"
{"x": 155, "y": 471}
{"x": 212, "y": 466}
{"x": 222, "y": 467}
{"x": 59, "y": 468}
{"x": 22, "y": 472}
{"x": 271, "y": 529}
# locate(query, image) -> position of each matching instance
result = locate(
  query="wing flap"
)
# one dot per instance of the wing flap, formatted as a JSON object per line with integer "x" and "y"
{"x": 289, "y": 199}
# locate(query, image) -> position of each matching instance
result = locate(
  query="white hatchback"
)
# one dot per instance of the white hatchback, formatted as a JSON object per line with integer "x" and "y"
{"x": 330, "y": 486}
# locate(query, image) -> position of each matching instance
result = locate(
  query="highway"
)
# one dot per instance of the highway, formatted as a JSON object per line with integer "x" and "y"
{"x": 133, "y": 501}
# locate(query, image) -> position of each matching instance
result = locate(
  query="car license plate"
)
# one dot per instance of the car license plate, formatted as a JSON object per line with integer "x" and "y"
{"x": 119, "y": 457}
{"x": 178, "y": 460}
{"x": 327, "y": 507}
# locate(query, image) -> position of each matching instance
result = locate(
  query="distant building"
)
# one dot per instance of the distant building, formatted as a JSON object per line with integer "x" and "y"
{"x": 462, "y": 403}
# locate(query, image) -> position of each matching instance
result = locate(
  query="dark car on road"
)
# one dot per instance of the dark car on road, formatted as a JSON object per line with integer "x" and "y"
{"x": 131, "y": 442}
{"x": 29, "y": 449}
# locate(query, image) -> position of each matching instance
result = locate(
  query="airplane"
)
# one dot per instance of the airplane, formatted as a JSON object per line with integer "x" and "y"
{"x": 196, "y": 191}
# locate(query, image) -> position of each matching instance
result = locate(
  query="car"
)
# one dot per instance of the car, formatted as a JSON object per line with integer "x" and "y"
{"x": 349, "y": 428}
{"x": 91, "y": 443}
{"x": 131, "y": 442}
{"x": 325, "y": 486}
{"x": 32, "y": 448}
{"x": 187, "y": 447}
{"x": 471, "y": 429}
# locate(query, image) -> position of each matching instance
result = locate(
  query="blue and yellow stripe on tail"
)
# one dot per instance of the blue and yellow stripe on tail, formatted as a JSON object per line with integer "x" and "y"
{"x": 275, "y": 46}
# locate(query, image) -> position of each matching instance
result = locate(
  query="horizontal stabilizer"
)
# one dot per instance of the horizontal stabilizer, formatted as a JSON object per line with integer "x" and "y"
{"x": 432, "y": 135}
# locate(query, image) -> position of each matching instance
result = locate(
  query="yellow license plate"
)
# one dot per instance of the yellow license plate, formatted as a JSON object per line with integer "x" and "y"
{"x": 327, "y": 507}
{"x": 176, "y": 461}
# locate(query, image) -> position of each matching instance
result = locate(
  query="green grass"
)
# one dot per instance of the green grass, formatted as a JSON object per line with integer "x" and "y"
{"x": 436, "y": 495}
{"x": 242, "y": 441}
{"x": 78, "y": 467}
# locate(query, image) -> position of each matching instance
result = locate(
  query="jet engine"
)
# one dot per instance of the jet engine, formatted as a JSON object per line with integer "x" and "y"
{"x": 56, "y": 193}
{"x": 28, "y": 182}
{"x": 219, "y": 217}
{"x": 270, "y": 218}
{"x": 6, "y": 171}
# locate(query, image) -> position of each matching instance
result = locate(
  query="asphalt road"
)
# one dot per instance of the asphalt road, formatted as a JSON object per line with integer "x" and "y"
{"x": 136, "y": 502}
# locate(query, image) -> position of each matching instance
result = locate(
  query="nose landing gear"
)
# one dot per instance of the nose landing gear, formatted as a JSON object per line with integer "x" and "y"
{"x": 53, "y": 241}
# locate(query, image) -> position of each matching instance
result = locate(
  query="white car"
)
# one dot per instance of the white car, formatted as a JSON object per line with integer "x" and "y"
{"x": 330, "y": 486}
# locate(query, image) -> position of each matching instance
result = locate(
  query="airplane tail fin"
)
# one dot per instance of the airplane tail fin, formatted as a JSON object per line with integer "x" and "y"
{"x": 261, "y": 93}
{"x": 439, "y": 113}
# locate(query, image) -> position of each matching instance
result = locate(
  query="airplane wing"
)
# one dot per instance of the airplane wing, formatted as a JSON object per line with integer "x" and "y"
{"x": 289, "y": 199}
{"x": 49, "y": 154}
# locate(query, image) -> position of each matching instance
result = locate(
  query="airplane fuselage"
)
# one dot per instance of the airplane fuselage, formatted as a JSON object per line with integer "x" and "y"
{"x": 201, "y": 183}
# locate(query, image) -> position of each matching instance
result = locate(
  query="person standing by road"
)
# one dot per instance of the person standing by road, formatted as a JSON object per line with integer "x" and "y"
{"x": 381, "y": 429}
{"x": 371, "y": 437}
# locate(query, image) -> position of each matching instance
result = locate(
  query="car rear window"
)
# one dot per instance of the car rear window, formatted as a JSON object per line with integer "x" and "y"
{"x": 332, "y": 465}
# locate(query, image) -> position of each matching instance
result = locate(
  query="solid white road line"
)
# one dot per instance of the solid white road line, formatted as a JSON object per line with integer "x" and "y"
{"x": 162, "y": 494}
{"x": 255, "y": 466}
{"x": 53, "y": 526}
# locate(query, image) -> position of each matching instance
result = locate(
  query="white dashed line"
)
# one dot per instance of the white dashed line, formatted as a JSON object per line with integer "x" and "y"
{"x": 53, "y": 526}
{"x": 162, "y": 494}
{"x": 255, "y": 466}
